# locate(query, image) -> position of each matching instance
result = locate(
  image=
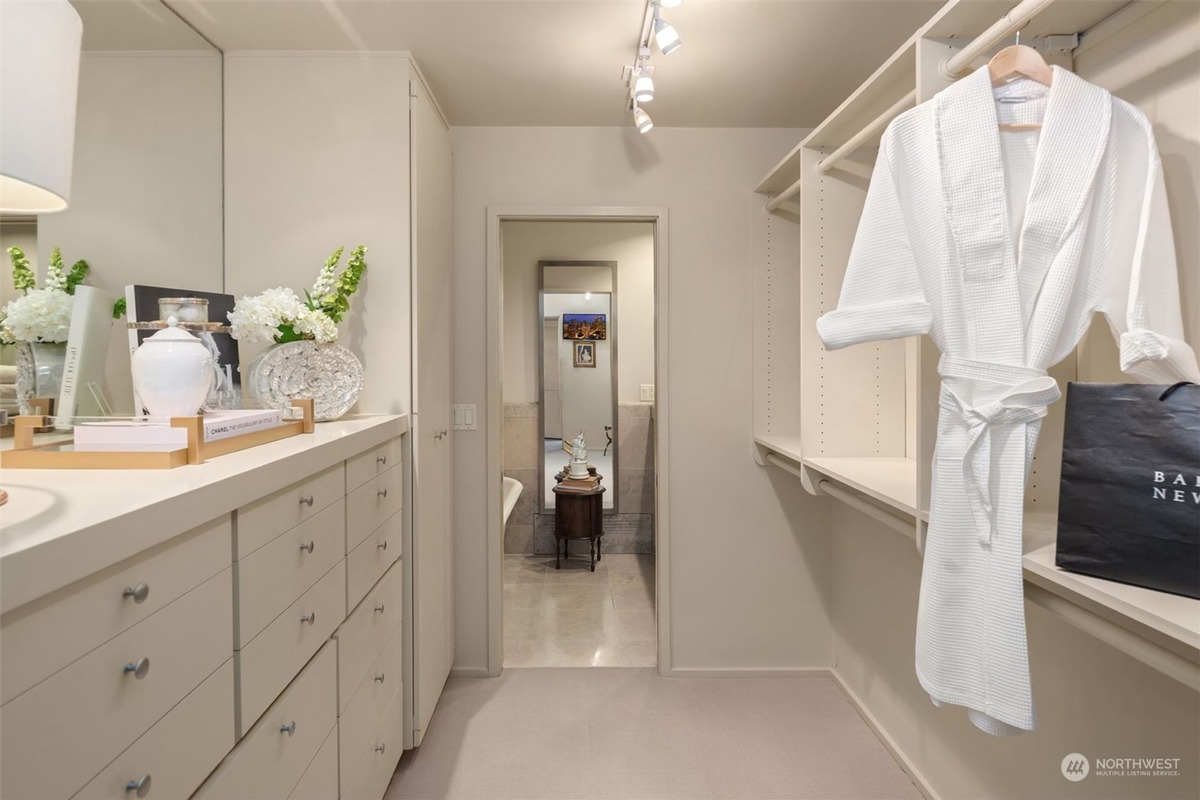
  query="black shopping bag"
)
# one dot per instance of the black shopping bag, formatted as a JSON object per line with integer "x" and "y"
{"x": 1129, "y": 502}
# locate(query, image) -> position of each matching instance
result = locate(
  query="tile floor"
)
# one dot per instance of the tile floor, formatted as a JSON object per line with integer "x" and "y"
{"x": 573, "y": 617}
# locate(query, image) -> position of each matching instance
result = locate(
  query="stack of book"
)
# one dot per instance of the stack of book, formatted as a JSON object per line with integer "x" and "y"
{"x": 147, "y": 434}
{"x": 589, "y": 484}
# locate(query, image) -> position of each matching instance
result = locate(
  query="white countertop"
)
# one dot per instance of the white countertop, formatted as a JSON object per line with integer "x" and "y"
{"x": 62, "y": 525}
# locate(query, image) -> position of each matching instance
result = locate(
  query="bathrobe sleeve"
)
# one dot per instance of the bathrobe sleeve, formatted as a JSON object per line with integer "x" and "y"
{"x": 1149, "y": 324}
{"x": 881, "y": 295}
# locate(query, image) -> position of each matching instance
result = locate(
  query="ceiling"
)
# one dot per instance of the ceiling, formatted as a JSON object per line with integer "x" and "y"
{"x": 744, "y": 63}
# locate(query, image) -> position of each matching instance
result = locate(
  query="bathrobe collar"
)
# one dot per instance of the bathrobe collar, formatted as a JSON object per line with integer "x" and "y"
{"x": 1072, "y": 141}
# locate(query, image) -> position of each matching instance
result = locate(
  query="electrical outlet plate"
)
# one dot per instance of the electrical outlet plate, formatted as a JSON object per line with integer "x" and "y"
{"x": 647, "y": 393}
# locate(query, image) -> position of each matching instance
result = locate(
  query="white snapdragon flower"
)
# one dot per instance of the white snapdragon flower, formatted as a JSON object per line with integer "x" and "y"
{"x": 41, "y": 315}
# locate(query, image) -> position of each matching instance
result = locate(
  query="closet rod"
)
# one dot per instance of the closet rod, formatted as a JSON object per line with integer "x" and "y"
{"x": 872, "y": 511}
{"x": 954, "y": 66}
{"x": 787, "y": 194}
{"x": 873, "y": 127}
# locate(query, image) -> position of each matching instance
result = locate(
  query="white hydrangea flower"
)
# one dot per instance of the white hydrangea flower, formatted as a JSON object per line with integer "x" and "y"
{"x": 257, "y": 318}
{"x": 316, "y": 325}
{"x": 41, "y": 315}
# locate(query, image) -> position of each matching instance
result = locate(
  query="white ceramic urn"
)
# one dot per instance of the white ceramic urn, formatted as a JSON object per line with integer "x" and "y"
{"x": 172, "y": 372}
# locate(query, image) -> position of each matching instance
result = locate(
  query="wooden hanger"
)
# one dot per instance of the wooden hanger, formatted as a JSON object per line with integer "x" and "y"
{"x": 1019, "y": 61}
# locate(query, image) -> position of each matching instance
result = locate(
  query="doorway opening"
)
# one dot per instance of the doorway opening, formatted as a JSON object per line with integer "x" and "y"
{"x": 580, "y": 529}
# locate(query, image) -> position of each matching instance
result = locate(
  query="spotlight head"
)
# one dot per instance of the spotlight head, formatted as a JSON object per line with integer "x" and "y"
{"x": 666, "y": 36}
{"x": 643, "y": 90}
{"x": 642, "y": 120}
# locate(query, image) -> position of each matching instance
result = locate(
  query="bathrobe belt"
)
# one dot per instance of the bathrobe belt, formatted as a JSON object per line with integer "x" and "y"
{"x": 1022, "y": 398}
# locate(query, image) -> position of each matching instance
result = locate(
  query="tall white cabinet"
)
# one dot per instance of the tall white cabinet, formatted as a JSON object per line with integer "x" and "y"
{"x": 327, "y": 149}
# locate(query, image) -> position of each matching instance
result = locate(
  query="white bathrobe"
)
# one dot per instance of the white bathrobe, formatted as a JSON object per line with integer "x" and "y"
{"x": 1001, "y": 245}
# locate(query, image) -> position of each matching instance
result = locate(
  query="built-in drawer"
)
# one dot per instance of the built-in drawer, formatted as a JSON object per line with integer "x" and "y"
{"x": 40, "y": 638}
{"x": 358, "y": 723}
{"x": 363, "y": 634}
{"x": 368, "y": 506}
{"x": 320, "y": 780}
{"x": 269, "y": 661}
{"x": 263, "y": 520}
{"x": 57, "y": 736}
{"x": 270, "y": 760}
{"x": 367, "y": 562}
{"x": 273, "y": 576}
{"x": 176, "y": 755}
{"x": 362, "y": 468}
{"x": 369, "y": 779}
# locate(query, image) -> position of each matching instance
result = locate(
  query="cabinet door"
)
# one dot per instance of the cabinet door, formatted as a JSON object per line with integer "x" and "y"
{"x": 432, "y": 551}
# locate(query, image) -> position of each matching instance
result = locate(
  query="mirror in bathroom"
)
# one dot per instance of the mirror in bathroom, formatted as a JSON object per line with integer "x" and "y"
{"x": 146, "y": 190}
{"x": 578, "y": 369}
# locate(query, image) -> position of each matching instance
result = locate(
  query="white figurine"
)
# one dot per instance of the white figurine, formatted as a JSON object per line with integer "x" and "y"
{"x": 579, "y": 460}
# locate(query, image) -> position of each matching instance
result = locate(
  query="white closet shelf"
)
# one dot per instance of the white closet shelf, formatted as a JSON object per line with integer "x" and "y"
{"x": 896, "y": 77}
{"x": 890, "y": 480}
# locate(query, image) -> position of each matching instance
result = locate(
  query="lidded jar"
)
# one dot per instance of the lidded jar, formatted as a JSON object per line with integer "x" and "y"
{"x": 172, "y": 372}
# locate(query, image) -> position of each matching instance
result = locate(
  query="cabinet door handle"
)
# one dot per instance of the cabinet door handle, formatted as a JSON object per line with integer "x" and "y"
{"x": 382, "y": 545}
{"x": 289, "y": 729}
{"x": 379, "y": 608}
{"x": 141, "y": 786}
{"x": 379, "y": 748}
{"x": 381, "y": 493}
{"x": 139, "y": 668}
{"x": 381, "y": 460}
{"x": 379, "y": 677}
{"x": 310, "y": 617}
{"x": 308, "y": 548}
{"x": 139, "y": 593}
{"x": 306, "y": 500}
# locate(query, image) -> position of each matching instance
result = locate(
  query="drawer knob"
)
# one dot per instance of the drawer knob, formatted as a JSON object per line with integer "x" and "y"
{"x": 139, "y": 593}
{"x": 379, "y": 677}
{"x": 307, "y": 500}
{"x": 141, "y": 786}
{"x": 289, "y": 729}
{"x": 381, "y": 493}
{"x": 379, "y": 608}
{"x": 139, "y": 668}
{"x": 310, "y": 617}
{"x": 381, "y": 460}
{"x": 379, "y": 748}
{"x": 308, "y": 548}
{"x": 382, "y": 545}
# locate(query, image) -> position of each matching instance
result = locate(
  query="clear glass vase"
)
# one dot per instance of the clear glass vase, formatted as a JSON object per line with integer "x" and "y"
{"x": 39, "y": 372}
{"x": 328, "y": 373}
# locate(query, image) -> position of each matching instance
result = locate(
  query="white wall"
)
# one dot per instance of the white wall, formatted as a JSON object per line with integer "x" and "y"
{"x": 1091, "y": 698}
{"x": 630, "y": 244}
{"x": 317, "y": 156}
{"x": 749, "y": 558}
{"x": 146, "y": 189}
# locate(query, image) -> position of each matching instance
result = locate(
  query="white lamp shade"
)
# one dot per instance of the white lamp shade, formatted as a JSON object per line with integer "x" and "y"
{"x": 39, "y": 78}
{"x": 642, "y": 120}
{"x": 643, "y": 90}
{"x": 666, "y": 36}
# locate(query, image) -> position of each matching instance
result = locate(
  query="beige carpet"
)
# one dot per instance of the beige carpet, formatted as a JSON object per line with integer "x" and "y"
{"x": 627, "y": 733}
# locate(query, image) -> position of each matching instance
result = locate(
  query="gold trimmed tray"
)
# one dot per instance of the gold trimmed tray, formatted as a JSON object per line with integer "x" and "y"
{"x": 25, "y": 455}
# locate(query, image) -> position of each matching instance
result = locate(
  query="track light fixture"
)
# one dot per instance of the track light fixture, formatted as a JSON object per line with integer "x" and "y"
{"x": 642, "y": 120}
{"x": 640, "y": 76}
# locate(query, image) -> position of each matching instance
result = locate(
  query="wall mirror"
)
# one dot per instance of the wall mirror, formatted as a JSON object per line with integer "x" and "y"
{"x": 578, "y": 369}
{"x": 146, "y": 190}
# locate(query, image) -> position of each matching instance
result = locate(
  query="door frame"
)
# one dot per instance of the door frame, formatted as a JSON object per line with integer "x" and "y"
{"x": 495, "y": 409}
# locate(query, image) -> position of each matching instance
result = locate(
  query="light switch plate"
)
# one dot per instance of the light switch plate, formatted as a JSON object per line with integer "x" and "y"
{"x": 647, "y": 393}
{"x": 464, "y": 418}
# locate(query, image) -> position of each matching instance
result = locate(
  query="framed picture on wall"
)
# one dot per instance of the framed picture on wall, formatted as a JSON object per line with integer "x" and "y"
{"x": 585, "y": 326}
{"x": 584, "y": 354}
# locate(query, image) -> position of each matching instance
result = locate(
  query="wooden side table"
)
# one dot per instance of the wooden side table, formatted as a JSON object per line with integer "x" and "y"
{"x": 578, "y": 515}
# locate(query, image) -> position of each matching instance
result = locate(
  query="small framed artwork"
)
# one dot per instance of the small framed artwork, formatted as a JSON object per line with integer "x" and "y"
{"x": 584, "y": 355}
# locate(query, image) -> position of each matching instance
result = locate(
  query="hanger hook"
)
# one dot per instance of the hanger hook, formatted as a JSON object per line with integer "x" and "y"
{"x": 1018, "y": 37}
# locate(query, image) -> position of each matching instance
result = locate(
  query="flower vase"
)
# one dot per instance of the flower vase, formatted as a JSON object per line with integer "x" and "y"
{"x": 39, "y": 372}
{"x": 328, "y": 373}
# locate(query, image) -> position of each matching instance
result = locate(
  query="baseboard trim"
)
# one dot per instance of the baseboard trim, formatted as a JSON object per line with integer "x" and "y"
{"x": 742, "y": 672}
{"x": 902, "y": 759}
{"x": 470, "y": 672}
